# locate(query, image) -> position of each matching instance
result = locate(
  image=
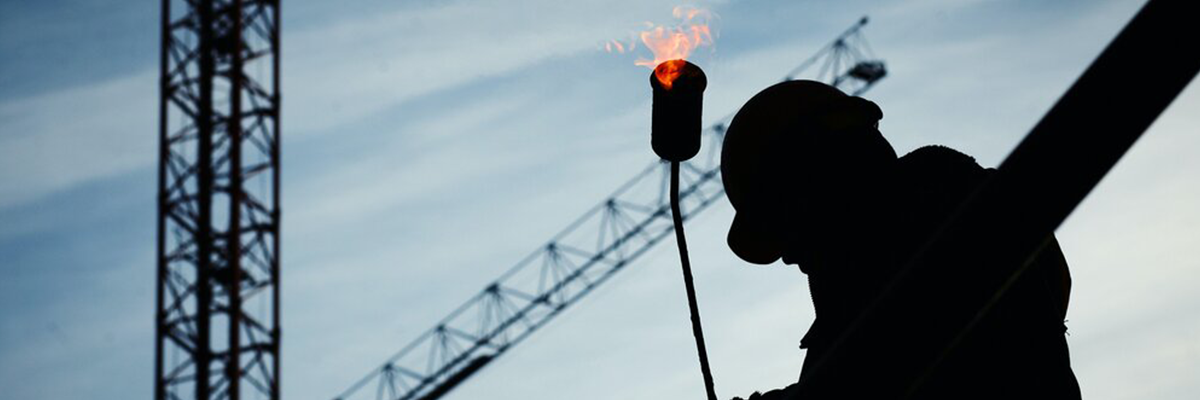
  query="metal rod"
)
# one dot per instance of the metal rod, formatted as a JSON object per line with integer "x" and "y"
{"x": 203, "y": 356}
{"x": 233, "y": 239}
{"x": 160, "y": 316}
{"x": 697, "y": 330}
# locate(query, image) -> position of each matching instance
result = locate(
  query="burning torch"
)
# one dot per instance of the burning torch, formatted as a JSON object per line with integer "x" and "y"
{"x": 678, "y": 88}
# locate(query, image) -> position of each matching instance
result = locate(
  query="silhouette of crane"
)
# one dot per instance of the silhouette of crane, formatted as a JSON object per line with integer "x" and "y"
{"x": 217, "y": 326}
{"x": 583, "y": 256}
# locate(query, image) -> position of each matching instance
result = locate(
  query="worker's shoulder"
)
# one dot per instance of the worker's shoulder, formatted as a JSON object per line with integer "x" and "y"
{"x": 937, "y": 163}
{"x": 937, "y": 158}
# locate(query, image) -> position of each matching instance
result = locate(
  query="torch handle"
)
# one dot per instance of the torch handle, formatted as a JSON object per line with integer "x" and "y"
{"x": 697, "y": 331}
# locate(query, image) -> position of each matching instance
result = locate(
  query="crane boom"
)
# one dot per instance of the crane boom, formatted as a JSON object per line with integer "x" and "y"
{"x": 583, "y": 256}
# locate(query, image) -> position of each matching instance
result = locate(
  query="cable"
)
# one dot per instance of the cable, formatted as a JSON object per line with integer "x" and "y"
{"x": 697, "y": 331}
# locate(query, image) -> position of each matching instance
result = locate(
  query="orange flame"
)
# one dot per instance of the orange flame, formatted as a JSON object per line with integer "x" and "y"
{"x": 673, "y": 43}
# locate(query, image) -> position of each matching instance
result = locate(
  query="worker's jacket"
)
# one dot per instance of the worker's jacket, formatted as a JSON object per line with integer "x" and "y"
{"x": 912, "y": 347}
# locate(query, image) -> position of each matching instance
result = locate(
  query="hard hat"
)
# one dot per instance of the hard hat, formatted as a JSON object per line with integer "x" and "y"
{"x": 789, "y": 127}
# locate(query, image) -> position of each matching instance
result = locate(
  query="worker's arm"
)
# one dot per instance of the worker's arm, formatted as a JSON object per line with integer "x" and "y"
{"x": 1051, "y": 264}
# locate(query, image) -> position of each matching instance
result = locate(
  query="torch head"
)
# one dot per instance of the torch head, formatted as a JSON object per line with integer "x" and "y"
{"x": 675, "y": 117}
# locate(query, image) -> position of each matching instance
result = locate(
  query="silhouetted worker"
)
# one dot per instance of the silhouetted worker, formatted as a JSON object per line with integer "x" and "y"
{"x": 815, "y": 183}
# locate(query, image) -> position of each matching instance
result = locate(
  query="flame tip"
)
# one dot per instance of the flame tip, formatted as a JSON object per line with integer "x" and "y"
{"x": 673, "y": 43}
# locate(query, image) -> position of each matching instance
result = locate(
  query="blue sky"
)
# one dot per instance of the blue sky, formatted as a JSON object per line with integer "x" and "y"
{"x": 429, "y": 145}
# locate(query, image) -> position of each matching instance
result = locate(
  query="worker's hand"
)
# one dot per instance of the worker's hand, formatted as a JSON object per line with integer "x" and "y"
{"x": 777, "y": 394}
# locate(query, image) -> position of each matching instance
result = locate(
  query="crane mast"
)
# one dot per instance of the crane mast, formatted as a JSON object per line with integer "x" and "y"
{"x": 217, "y": 319}
{"x": 580, "y": 258}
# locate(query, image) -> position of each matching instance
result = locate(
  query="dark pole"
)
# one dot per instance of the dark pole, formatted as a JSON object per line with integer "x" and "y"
{"x": 203, "y": 357}
{"x": 160, "y": 316}
{"x": 1061, "y": 160}
{"x": 693, "y": 307}
{"x": 233, "y": 239}
{"x": 276, "y": 156}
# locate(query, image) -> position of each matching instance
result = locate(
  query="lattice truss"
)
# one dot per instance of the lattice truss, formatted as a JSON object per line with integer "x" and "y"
{"x": 218, "y": 225}
{"x": 586, "y": 254}
{"x": 847, "y": 63}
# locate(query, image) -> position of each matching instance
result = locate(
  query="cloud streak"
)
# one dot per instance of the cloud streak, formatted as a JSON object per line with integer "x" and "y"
{"x": 56, "y": 140}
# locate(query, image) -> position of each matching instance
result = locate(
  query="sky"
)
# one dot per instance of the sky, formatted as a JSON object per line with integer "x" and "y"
{"x": 430, "y": 145}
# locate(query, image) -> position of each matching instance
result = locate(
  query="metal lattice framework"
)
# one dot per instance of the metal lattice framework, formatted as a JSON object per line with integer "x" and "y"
{"x": 586, "y": 254}
{"x": 847, "y": 63}
{"x": 217, "y": 319}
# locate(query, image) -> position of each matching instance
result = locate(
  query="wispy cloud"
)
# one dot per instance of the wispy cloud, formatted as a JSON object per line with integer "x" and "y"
{"x": 357, "y": 67}
{"x": 56, "y": 140}
{"x": 335, "y": 75}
